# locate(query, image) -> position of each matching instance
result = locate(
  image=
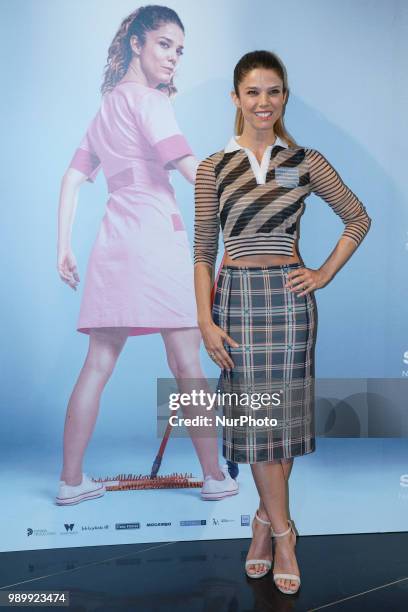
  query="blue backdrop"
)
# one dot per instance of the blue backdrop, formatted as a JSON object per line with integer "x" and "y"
{"x": 347, "y": 75}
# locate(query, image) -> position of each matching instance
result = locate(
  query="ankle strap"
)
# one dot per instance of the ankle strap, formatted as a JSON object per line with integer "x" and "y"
{"x": 258, "y": 518}
{"x": 283, "y": 533}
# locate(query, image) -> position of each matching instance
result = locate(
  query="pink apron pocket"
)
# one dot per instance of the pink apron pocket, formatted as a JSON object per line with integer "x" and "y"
{"x": 177, "y": 222}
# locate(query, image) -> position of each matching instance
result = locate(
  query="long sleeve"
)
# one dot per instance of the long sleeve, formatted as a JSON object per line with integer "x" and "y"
{"x": 207, "y": 220}
{"x": 327, "y": 184}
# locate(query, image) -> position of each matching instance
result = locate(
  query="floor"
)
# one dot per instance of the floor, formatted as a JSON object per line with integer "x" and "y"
{"x": 339, "y": 572}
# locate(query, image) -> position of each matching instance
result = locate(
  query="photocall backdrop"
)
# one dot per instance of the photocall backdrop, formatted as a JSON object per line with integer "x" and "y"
{"x": 348, "y": 95}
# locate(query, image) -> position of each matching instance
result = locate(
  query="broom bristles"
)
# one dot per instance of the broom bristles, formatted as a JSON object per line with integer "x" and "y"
{"x": 124, "y": 482}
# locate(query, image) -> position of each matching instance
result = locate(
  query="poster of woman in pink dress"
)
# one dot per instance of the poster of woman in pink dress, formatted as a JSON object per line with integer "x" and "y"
{"x": 139, "y": 278}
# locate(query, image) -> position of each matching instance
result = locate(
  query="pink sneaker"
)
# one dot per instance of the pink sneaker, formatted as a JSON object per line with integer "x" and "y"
{"x": 68, "y": 495}
{"x": 218, "y": 489}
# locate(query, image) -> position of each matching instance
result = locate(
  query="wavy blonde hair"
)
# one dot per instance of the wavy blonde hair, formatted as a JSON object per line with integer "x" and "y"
{"x": 142, "y": 20}
{"x": 270, "y": 61}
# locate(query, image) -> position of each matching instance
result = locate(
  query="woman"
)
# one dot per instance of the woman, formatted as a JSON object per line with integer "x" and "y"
{"x": 261, "y": 327}
{"x": 140, "y": 274}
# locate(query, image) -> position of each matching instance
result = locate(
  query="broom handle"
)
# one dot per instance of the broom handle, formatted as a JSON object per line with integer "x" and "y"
{"x": 159, "y": 456}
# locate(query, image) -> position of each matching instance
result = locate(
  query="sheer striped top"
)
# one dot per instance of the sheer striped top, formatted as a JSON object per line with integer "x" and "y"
{"x": 258, "y": 206}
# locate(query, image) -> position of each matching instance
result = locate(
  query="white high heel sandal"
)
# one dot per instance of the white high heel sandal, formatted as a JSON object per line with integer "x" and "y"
{"x": 294, "y": 577}
{"x": 266, "y": 562}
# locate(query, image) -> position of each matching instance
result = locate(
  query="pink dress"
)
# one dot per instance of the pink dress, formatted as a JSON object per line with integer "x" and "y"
{"x": 140, "y": 272}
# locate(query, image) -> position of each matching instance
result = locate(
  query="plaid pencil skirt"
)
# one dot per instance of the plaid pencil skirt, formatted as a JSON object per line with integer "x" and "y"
{"x": 268, "y": 397}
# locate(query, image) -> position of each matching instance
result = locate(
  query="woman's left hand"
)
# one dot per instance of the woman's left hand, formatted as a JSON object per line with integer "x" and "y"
{"x": 305, "y": 280}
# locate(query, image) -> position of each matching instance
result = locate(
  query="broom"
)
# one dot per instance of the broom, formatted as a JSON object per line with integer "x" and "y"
{"x": 128, "y": 482}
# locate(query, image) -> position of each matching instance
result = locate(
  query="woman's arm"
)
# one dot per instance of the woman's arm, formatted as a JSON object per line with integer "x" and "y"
{"x": 187, "y": 166}
{"x": 203, "y": 283}
{"x": 206, "y": 233}
{"x": 84, "y": 166}
{"x": 66, "y": 263}
{"x": 327, "y": 184}
{"x": 206, "y": 236}
{"x": 337, "y": 258}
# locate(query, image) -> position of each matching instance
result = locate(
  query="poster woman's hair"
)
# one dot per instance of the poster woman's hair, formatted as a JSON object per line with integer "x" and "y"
{"x": 270, "y": 61}
{"x": 144, "y": 19}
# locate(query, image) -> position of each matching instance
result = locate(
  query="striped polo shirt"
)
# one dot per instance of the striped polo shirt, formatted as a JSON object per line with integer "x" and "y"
{"x": 259, "y": 206}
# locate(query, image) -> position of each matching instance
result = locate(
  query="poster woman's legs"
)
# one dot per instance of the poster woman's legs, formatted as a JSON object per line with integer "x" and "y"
{"x": 105, "y": 346}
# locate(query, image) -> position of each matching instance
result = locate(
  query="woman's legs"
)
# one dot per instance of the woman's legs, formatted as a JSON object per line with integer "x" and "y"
{"x": 271, "y": 480}
{"x": 287, "y": 465}
{"x": 261, "y": 545}
{"x": 105, "y": 345}
{"x": 182, "y": 347}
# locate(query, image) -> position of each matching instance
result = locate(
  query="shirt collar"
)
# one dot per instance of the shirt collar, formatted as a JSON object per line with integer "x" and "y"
{"x": 234, "y": 146}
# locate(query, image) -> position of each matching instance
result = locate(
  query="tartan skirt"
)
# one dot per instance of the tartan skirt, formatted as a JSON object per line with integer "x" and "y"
{"x": 273, "y": 376}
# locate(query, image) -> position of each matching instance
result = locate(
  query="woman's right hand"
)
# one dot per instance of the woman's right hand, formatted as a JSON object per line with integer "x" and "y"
{"x": 214, "y": 338}
{"x": 67, "y": 268}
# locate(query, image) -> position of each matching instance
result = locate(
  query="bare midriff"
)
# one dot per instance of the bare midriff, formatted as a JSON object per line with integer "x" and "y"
{"x": 263, "y": 260}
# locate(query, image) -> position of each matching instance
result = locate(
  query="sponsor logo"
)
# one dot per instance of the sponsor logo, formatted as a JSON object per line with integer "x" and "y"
{"x": 39, "y": 532}
{"x": 193, "y": 523}
{"x": 245, "y": 518}
{"x": 127, "y": 526}
{"x": 94, "y": 527}
{"x": 158, "y": 524}
{"x": 222, "y": 521}
{"x": 69, "y": 529}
